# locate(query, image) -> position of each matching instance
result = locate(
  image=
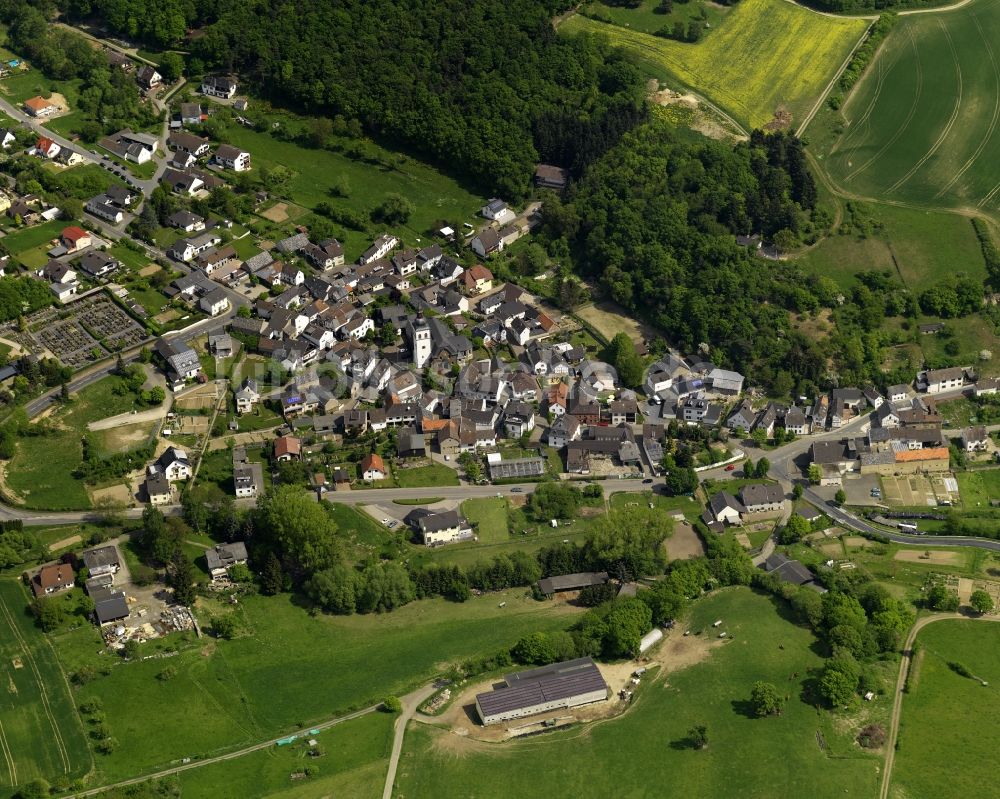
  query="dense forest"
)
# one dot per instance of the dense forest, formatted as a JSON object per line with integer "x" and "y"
{"x": 487, "y": 89}
{"x": 654, "y": 223}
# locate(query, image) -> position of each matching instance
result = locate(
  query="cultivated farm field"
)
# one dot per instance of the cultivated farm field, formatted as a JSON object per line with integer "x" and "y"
{"x": 948, "y": 724}
{"x": 766, "y": 56}
{"x": 921, "y": 126}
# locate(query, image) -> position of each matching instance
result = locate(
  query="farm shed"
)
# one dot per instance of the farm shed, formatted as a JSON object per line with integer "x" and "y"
{"x": 527, "y": 693}
{"x": 571, "y": 582}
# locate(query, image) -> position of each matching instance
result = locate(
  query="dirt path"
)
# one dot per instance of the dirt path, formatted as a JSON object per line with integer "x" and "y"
{"x": 897, "y": 702}
{"x": 410, "y": 704}
{"x": 152, "y": 415}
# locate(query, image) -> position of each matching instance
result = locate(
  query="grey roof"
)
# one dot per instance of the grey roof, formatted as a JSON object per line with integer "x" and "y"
{"x": 109, "y": 605}
{"x": 101, "y": 556}
{"x": 225, "y": 555}
{"x": 547, "y": 684}
{"x": 791, "y": 571}
{"x": 433, "y": 522}
{"x": 761, "y": 494}
{"x": 571, "y": 582}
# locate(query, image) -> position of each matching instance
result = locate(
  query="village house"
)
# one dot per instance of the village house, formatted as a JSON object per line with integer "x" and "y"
{"x": 46, "y": 148}
{"x": 39, "y": 107}
{"x": 219, "y": 86}
{"x": 173, "y": 464}
{"x": 223, "y": 557}
{"x": 762, "y": 498}
{"x": 229, "y": 157}
{"x": 188, "y": 143}
{"x": 158, "y": 489}
{"x": 975, "y": 439}
{"x": 102, "y": 561}
{"x": 936, "y": 381}
{"x": 287, "y": 448}
{"x": 443, "y": 527}
{"x": 497, "y": 211}
{"x": 248, "y": 476}
{"x": 75, "y": 239}
{"x": 99, "y": 206}
{"x": 551, "y": 177}
{"x": 53, "y": 579}
{"x": 372, "y": 468}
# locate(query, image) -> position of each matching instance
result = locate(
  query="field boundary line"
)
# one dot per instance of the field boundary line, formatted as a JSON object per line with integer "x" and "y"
{"x": 948, "y": 126}
{"x": 906, "y": 122}
{"x": 993, "y": 120}
{"x": 833, "y": 82}
{"x": 43, "y": 694}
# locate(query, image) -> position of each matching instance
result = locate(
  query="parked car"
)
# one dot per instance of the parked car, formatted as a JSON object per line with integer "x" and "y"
{"x": 647, "y": 481}
{"x": 517, "y": 491}
{"x": 730, "y": 467}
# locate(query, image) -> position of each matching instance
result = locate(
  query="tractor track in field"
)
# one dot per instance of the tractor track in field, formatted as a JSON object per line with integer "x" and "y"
{"x": 948, "y": 126}
{"x": 863, "y": 119}
{"x": 43, "y": 694}
{"x": 906, "y": 122}
{"x": 993, "y": 120}
{"x": 8, "y": 757}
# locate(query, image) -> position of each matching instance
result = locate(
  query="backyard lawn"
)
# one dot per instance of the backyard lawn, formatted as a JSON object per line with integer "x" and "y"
{"x": 29, "y": 237}
{"x": 489, "y": 516}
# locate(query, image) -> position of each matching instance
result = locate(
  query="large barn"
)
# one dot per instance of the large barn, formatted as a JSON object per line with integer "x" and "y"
{"x": 528, "y": 693}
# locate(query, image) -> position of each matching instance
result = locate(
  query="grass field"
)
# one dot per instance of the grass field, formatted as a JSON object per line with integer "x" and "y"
{"x": 920, "y": 125}
{"x": 434, "y": 196}
{"x": 287, "y": 670}
{"x": 434, "y": 474}
{"x": 643, "y": 752}
{"x": 767, "y": 55}
{"x": 40, "y": 731}
{"x": 41, "y": 472}
{"x": 978, "y": 488}
{"x": 945, "y": 736}
{"x": 928, "y": 247}
{"x": 353, "y": 763}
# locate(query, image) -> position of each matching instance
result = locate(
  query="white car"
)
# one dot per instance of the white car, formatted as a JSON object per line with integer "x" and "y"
{"x": 385, "y": 521}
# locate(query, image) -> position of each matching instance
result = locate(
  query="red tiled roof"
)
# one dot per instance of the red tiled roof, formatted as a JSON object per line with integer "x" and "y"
{"x": 74, "y": 233}
{"x": 372, "y": 461}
